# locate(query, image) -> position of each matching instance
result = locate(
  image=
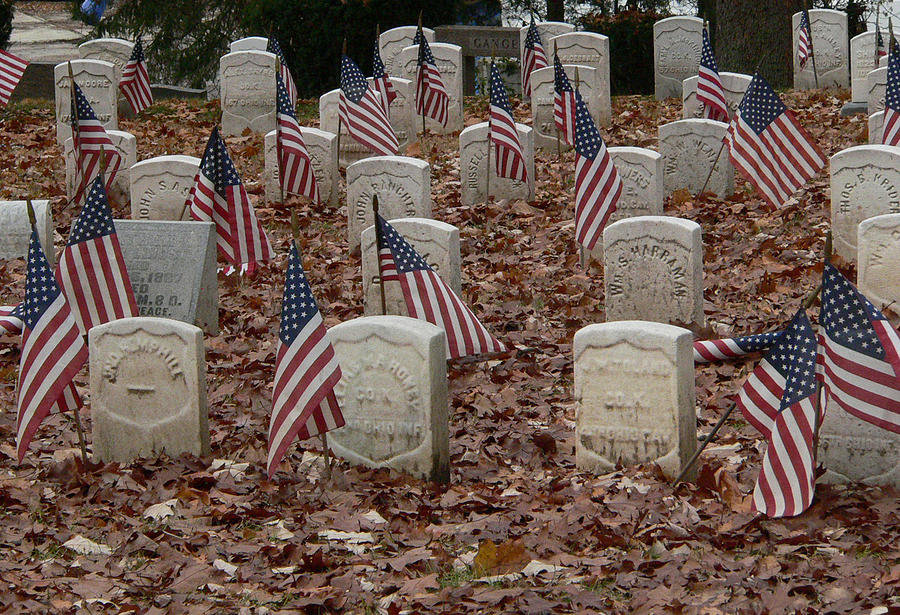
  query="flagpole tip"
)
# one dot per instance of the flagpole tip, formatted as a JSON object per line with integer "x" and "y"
{"x": 32, "y": 219}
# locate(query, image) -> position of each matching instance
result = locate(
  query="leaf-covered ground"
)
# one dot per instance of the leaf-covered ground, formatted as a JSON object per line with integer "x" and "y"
{"x": 518, "y": 529}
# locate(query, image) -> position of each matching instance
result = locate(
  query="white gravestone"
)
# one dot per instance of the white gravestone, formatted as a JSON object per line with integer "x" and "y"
{"x": 249, "y": 43}
{"x": 329, "y": 119}
{"x": 865, "y": 182}
{"x": 160, "y": 187}
{"x": 831, "y": 49}
{"x": 634, "y": 396}
{"x": 592, "y": 50}
{"x": 862, "y": 62}
{"x": 391, "y": 43}
{"x": 403, "y": 186}
{"x": 677, "y": 46}
{"x": 876, "y": 84}
{"x": 654, "y": 270}
{"x": 393, "y": 395}
{"x": 473, "y": 166}
{"x": 126, "y": 145}
{"x": 403, "y": 111}
{"x": 98, "y": 83}
{"x": 876, "y": 128}
{"x": 546, "y": 30}
{"x": 248, "y": 92}
{"x": 116, "y": 51}
{"x": 733, "y": 84}
{"x": 322, "y": 148}
{"x": 641, "y": 171}
{"x": 878, "y": 263}
{"x": 856, "y": 451}
{"x": 148, "y": 389}
{"x": 689, "y": 149}
{"x": 437, "y": 242}
{"x": 542, "y": 102}
{"x": 448, "y": 59}
{"x": 15, "y": 230}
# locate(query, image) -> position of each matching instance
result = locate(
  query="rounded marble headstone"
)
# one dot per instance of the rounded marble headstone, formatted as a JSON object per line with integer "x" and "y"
{"x": 831, "y": 49}
{"x": 878, "y": 264}
{"x": 126, "y": 145}
{"x": 546, "y": 30}
{"x": 249, "y": 43}
{"x": 689, "y": 149}
{"x": 862, "y": 62}
{"x": 733, "y": 85}
{"x": 587, "y": 49}
{"x": 448, "y": 59}
{"x": 160, "y": 187}
{"x": 98, "y": 82}
{"x": 876, "y": 84}
{"x": 248, "y": 92}
{"x": 677, "y": 46}
{"x": 391, "y": 43}
{"x": 474, "y": 167}
{"x": 322, "y": 148}
{"x": 15, "y": 230}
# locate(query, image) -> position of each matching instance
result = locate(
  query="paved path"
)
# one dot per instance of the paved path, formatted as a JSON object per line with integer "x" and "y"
{"x": 49, "y": 37}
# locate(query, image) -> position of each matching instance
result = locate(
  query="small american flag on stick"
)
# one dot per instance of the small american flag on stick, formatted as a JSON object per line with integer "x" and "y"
{"x": 273, "y": 47}
{"x": 135, "y": 83}
{"x": 535, "y": 57}
{"x": 510, "y": 157}
{"x": 709, "y": 86}
{"x": 382, "y": 81}
{"x": 11, "y": 70}
{"x": 804, "y": 40}
{"x": 711, "y": 351}
{"x": 91, "y": 142}
{"x": 891, "y": 128}
{"x": 295, "y": 166}
{"x": 563, "y": 102}
{"x": 11, "y": 319}
{"x": 362, "y": 112}
{"x": 432, "y": 99}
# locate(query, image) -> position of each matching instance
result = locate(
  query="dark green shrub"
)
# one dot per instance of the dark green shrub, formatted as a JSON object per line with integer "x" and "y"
{"x": 630, "y": 48}
{"x": 6, "y": 17}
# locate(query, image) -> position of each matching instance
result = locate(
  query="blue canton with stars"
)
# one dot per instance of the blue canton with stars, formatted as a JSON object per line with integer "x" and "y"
{"x": 499, "y": 98}
{"x": 560, "y": 79}
{"x": 425, "y": 54}
{"x": 353, "y": 83}
{"x": 804, "y": 22}
{"x": 587, "y": 138}
{"x": 377, "y": 64}
{"x": 406, "y": 258}
{"x": 298, "y": 306}
{"x": 273, "y": 47}
{"x": 217, "y": 165}
{"x": 85, "y": 112}
{"x": 754, "y": 343}
{"x": 95, "y": 219}
{"x": 283, "y": 100}
{"x": 847, "y": 315}
{"x": 794, "y": 356}
{"x": 533, "y": 37}
{"x": 41, "y": 288}
{"x": 137, "y": 54}
{"x": 760, "y": 105}
{"x": 707, "y": 58}
{"x": 892, "y": 90}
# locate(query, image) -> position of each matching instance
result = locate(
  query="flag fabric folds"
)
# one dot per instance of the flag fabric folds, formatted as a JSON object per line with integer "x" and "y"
{"x": 135, "y": 83}
{"x": 563, "y": 103}
{"x": 306, "y": 369}
{"x": 769, "y": 147}
{"x": 535, "y": 57}
{"x": 295, "y": 166}
{"x": 804, "y": 40}
{"x": 273, "y": 47}
{"x": 218, "y": 196}
{"x": 382, "y": 81}
{"x": 709, "y": 86}
{"x": 890, "y": 134}
{"x": 778, "y": 399}
{"x": 362, "y": 112}
{"x": 11, "y": 70}
{"x": 432, "y": 99}
{"x": 89, "y": 139}
{"x": 880, "y": 47}
{"x": 509, "y": 156}
{"x": 710, "y": 351}
{"x": 428, "y": 298}
{"x": 11, "y": 319}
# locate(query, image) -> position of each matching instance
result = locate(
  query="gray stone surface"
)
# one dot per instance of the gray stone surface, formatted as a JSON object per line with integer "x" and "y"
{"x": 590, "y": 87}
{"x": 733, "y": 84}
{"x": 148, "y": 389}
{"x": 546, "y": 30}
{"x": 15, "y": 235}
{"x": 391, "y": 43}
{"x": 862, "y": 62}
{"x": 876, "y": 128}
{"x": 126, "y": 145}
{"x": 403, "y": 111}
{"x": 854, "y": 108}
{"x": 641, "y": 171}
{"x": 473, "y": 166}
{"x": 97, "y": 80}
{"x": 831, "y": 48}
{"x": 480, "y": 40}
{"x": 878, "y": 263}
{"x": 592, "y": 50}
{"x": 350, "y": 150}
{"x": 248, "y": 92}
{"x": 116, "y": 51}
{"x": 160, "y": 187}
{"x": 249, "y": 43}
{"x": 322, "y": 148}
{"x": 689, "y": 149}
{"x": 876, "y": 84}
{"x": 448, "y": 59}
{"x": 677, "y": 45}
{"x": 855, "y": 451}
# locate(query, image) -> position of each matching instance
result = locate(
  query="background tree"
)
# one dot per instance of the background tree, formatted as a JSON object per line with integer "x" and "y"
{"x": 6, "y": 17}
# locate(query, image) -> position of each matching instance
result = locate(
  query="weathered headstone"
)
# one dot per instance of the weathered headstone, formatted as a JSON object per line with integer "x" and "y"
{"x": 249, "y": 43}
{"x": 403, "y": 111}
{"x": 448, "y": 59}
{"x": 876, "y": 127}
{"x": 653, "y": 270}
{"x": 862, "y": 62}
{"x": 830, "y": 47}
{"x": 689, "y": 149}
{"x": 865, "y": 182}
{"x": 15, "y": 230}
{"x": 733, "y": 85}
{"x": 677, "y": 46}
{"x": 437, "y": 242}
{"x": 641, "y": 171}
{"x": 876, "y": 84}
{"x": 350, "y": 150}
{"x": 473, "y": 166}
{"x": 126, "y": 145}
{"x": 248, "y": 92}
{"x": 391, "y": 43}
{"x": 322, "y": 148}
{"x": 403, "y": 186}
{"x": 855, "y": 451}
{"x": 878, "y": 264}
{"x": 116, "y": 51}
{"x": 160, "y": 187}
{"x": 393, "y": 395}
{"x": 172, "y": 266}
{"x": 481, "y": 42}
{"x": 542, "y": 101}
{"x": 97, "y": 80}
{"x": 546, "y": 30}
{"x": 634, "y": 396}
{"x": 148, "y": 389}
{"x": 592, "y": 50}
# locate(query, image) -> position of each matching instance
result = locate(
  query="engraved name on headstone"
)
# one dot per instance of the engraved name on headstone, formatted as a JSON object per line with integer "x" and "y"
{"x": 98, "y": 83}
{"x": 160, "y": 187}
{"x": 473, "y": 166}
{"x": 831, "y": 49}
{"x": 126, "y": 145}
{"x": 733, "y": 85}
{"x": 546, "y": 30}
{"x": 689, "y": 148}
{"x": 248, "y": 92}
{"x": 587, "y": 49}
{"x": 322, "y": 148}
{"x": 862, "y": 62}
{"x": 677, "y": 46}
{"x": 15, "y": 230}
{"x": 641, "y": 171}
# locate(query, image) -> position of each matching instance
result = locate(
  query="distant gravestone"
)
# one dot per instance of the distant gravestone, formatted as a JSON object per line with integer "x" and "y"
{"x": 733, "y": 85}
{"x": 97, "y": 80}
{"x": 542, "y": 102}
{"x": 350, "y": 150}
{"x": 653, "y": 270}
{"x": 641, "y": 171}
{"x": 148, "y": 389}
{"x": 689, "y": 149}
{"x": 830, "y": 47}
{"x": 393, "y": 395}
{"x": 634, "y": 397}
{"x": 391, "y": 43}
{"x": 876, "y": 84}
{"x": 249, "y": 43}
{"x": 546, "y": 30}
{"x": 126, "y": 145}
{"x": 588, "y": 49}
{"x": 876, "y": 128}
{"x": 677, "y": 45}
{"x": 248, "y": 92}
{"x": 855, "y": 451}
{"x": 116, "y": 51}
{"x": 865, "y": 182}
{"x": 15, "y": 230}
{"x": 172, "y": 266}
{"x": 160, "y": 187}
{"x": 403, "y": 111}
{"x": 403, "y": 186}
{"x": 473, "y": 167}
{"x": 862, "y": 62}
{"x": 879, "y": 261}
{"x": 322, "y": 148}
{"x": 448, "y": 59}
{"x": 437, "y": 242}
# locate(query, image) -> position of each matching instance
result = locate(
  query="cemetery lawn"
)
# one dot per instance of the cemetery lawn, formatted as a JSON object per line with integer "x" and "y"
{"x": 518, "y": 529}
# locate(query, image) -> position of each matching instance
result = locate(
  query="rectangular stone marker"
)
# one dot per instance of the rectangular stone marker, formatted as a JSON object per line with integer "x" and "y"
{"x": 172, "y": 266}
{"x": 248, "y": 92}
{"x": 350, "y": 150}
{"x": 854, "y": 451}
{"x": 733, "y": 84}
{"x": 879, "y": 261}
{"x": 403, "y": 186}
{"x": 542, "y": 101}
{"x": 689, "y": 149}
{"x": 876, "y": 128}
{"x": 322, "y": 148}
{"x": 448, "y": 59}
{"x": 546, "y": 30}
{"x": 831, "y": 48}
{"x": 393, "y": 395}
{"x": 15, "y": 230}
{"x": 876, "y": 84}
{"x": 473, "y": 166}
{"x": 97, "y": 80}
{"x": 641, "y": 171}
{"x": 587, "y": 49}
{"x": 391, "y": 43}
{"x": 249, "y": 43}
{"x": 865, "y": 182}
{"x": 126, "y": 145}
{"x": 160, "y": 187}
{"x": 116, "y": 51}
{"x": 437, "y": 242}
{"x": 862, "y": 62}
{"x": 634, "y": 397}
{"x": 677, "y": 46}
{"x": 653, "y": 270}
{"x": 148, "y": 389}
{"x": 403, "y": 111}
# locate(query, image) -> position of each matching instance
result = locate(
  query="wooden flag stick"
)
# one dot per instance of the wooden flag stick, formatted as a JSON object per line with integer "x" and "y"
{"x": 487, "y": 187}
{"x": 343, "y": 53}
{"x": 558, "y": 146}
{"x": 379, "y": 243}
{"x": 812, "y": 52}
{"x": 73, "y": 120}
{"x": 278, "y": 168}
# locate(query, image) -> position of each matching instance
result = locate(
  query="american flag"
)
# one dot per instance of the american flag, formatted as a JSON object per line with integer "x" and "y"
{"x": 428, "y": 298}
{"x": 135, "y": 83}
{"x": 779, "y": 400}
{"x": 11, "y": 319}
{"x": 11, "y": 70}
{"x": 804, "y": 40}
{"x": 382, "y": 80}
{"x": 711, "y": 351}
{"x": 306, "y": 369}
{"x": 509, "y": 159}
{"x": 858, "y": 353}
{"x": 891, "y": 128}
{"x": 563, "y": 102}
{"x": 880, "y": 47}
{"x": 91, "y": 270}
{"x": 432, "y": 99}
{"x": 218, "y": 196}
{"x": 769, "y": 147}
{"x": 295, "y": 166}
{"x": 273, "y": 47}
{"x": 709, "y": 87}
{"x": 90, "y": 139}
{"x": 53, "y": 350}
{"x": 362, "y": 112}
{"x": 597, "y": 182}
{"x": 535, "y": 58}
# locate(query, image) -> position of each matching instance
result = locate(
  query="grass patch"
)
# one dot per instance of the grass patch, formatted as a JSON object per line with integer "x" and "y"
{"x": 454, "y": 577}
{"x": 607, "y": 587}
{"x": 307, "y": 110}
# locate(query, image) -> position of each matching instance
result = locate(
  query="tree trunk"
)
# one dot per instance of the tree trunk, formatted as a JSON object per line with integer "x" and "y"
{"x": 556, "y": 10}
{"x": 757, "y": 32}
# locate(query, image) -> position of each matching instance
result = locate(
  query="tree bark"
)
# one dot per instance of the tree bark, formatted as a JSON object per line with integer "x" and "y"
{"x": 556, "y": 10}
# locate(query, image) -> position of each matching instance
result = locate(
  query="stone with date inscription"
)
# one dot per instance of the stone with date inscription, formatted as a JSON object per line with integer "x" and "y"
{"x": 592, "y": 50}
{"x": 831, "y": 47}
{"x": 391, "y": 43}
{"x": 437, "y": 242}
{"x": 542, "y": 101}
{"x": 322, "y": 148}
{"x": 393, "y": 395}
{"x": 689, "y": 149}
{"x": 677, "y": 45}
{"x": 126, "y": 145}
{"x": 546, "y": 30}
{"x": 473, "y": 167}
{"x": 248, "y": 92}
{"x": 148, "y": 389}
{"x": 98, "y": 83}
{"x": 878, "y": 264}
{"x": 862, "y": 62}
{"x": 876, "y": 85}
{"x": 172, "y": 266}
{"x": 634, "y": 397}
{"x": 15, "y": 230}
{"x": 448, "y": 59}
{"x": 160, "y": 187}
{"x": 733, "y": 86}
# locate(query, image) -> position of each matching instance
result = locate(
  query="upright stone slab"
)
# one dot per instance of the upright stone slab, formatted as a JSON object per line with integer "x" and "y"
{"x": 865, "y": 182}
{"x": 393, "y": 395}
{"x": 591, "y": 89}
{"x": 116, "y": 51}
{"x": 876, "y": 84}
{"x": 126, "y": 145}
{"x": 588, "y": 49}
{"x": 653, "y": 270}
{"x": 689, "y": 149}
{"x": 322, "y": 148}
{"x": 172, "y": 266}
{"x": 249, "y": 43}
{"x": 248, "y": 92}
{"x": 350, "y": 150}
{"x": 403, "y": 111}
{"x": 97, "y": 80}
{"x": 878, "y": 265}
{"x": 733, "y": 84}
{"x": 634, "y": 396}
{"x": 876, "y": 128}
{"x": 862, "y": 62}
{"x": 391, "y": 43}
{"x": 148, "y": 389}
{"x": 15, "y": 230}
{"x": 160, "y": 187}
{"x": 546, "y": 30}
{"x": 831, "y": 47}
{"x": 641, "y": 171}
{"x": 677, "y": 46}
{"x": 855, "y": 451}
{"x": 448, "y": 59}
{"x": 403, "y": 186}
{"x": 437, "y": 242}
{"x": 474, "y": 167}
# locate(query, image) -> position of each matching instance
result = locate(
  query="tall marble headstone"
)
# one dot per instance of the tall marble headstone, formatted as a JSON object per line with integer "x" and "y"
{"x": 116, "y": 51}
{"x": 546, "y": 30}
{"x": 733, "y": 85}
{"x": 391, "y": 43}
{"x": 689, "y": 149}
{"x": 878, "y": 263}
{"x": 98, "y": 83}
{"x": 160, "y": 187}
{"x": 15, "y": 230}
{"x": 677, "y": 46}
{"x": 587, "y": 49}
{"x": 876, "y": 128}
{"x": 831, "y": 49}
{"x": 350, "y": 150}
{"x": 641, "y": 171}
{"x": 474, "y": 167}
{"x": 856, "y": 451}
{"x": 590, "y": 88}
{"x": 126, "y": 145}
{"x": 876, "y": 84}
{"x": 448, "y": 59}
{"x": 862, "y": 62}
{"x": 248, "y": 92}
{"x": 322, "y": 148}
